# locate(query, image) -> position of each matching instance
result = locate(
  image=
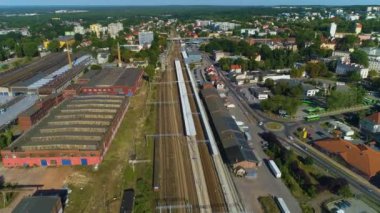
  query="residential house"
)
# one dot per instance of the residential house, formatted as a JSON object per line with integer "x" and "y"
{"x": 344, "y": 56}
{"x": 374, "y": 58}
{"x": 260, "y": 92}
{"x": 360, "y": 157}
{"x": 219, "y": 85}
{"x": 371, "y": 124}
{"x": 328, "y": 45}
{"x": 102, "y": 58}
{"x": 235, "y": 68}
{"x": 343, "y": 68}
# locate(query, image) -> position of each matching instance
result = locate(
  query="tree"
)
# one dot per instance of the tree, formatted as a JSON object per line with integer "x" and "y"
{"x": 339, "y": 99}
{"x": 269, "y": 83}
{"x": 347, "y": 42}
{"x": 372, "y": 74}
{"x": 30, "y": 49}
{"x": 53, "y": 46}
{"x": 375, "y": 180}
{"x": 354, "y": 76}
{"x": 78, "y": 37}
{"x": 315, "y": 70}
{"x": 297, "y": 73}
{"x": 308, "y": 161}
{"x": 150, "y": 71}
{"x": 359, "y": 57}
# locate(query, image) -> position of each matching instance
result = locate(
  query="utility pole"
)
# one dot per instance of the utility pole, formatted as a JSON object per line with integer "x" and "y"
{"x": 118, "y": 55}
{"x": 68, "y": 55}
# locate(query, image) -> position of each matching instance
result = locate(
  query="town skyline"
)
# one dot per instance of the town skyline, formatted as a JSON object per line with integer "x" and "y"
{"x": 182, "y": 2}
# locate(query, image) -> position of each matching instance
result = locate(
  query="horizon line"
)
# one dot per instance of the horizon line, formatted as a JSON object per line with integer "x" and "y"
{"x": 213, "y": 5}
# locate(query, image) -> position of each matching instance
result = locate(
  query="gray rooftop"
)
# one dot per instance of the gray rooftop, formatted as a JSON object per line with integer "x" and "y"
{"x": 17, "y": 108}
{"x": 37, "y": 204}
{"x": 78, "y": 123}
{"x": 113, "y": 77}
{"x": 227, "y": 131}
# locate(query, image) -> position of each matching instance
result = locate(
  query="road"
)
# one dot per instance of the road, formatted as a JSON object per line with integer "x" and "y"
{"x": 265, "y": 184}
{"x": 358, "y": 182}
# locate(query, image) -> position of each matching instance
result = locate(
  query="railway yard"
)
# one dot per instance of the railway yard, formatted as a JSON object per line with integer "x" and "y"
{"x": 176, "y": 154}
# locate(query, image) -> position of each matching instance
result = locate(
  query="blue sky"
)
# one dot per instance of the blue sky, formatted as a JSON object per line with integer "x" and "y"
{"x": 186, "y": 2}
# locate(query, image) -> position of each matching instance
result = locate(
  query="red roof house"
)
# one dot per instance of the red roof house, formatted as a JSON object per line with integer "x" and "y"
{"x": 361, "y": 157}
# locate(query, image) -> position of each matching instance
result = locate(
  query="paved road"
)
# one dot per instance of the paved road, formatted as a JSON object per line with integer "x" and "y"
{"x": 359, "y": 183}
{"x": 265, "y": 184}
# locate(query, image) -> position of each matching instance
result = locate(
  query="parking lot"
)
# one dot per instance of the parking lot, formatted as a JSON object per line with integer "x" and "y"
{"x": 349, "y": 205}
{"x": 265, "y": 183}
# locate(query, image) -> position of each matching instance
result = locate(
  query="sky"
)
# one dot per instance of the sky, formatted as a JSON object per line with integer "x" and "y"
{"x": 187, "y": 2}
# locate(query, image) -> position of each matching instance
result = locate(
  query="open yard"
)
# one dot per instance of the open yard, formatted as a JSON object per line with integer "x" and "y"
{"x": 101, "y": 190}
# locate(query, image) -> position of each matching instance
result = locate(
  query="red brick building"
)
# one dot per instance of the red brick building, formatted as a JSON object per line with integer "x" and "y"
{"x": 115, "y": 81}
{"x": 35, "y": 113}
{"x": 78, "y": 132}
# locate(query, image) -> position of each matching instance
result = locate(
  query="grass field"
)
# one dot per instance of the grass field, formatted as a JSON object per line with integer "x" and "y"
{"x": 6, "y": 198}
{"x": 268, "y": 204}
{"x": 101, "y": 190}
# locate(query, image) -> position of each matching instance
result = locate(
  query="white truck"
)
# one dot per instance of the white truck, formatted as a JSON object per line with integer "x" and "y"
{"x": 275, "y": 170}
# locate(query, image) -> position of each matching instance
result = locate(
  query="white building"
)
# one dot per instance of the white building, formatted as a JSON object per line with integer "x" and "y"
{"x": 333, "y": 27}
{"x": 114, "y": 29}
{"x": 146, "y": 38}
{"x": 276, "y": 77}
{"x": 345, "y": 68}
{"x": 353, "y": 17}
{"x": 96, "y": 28}
{"x": 344, "y": 56}
{"x": 102, "y": 58}
{"x": 310, "y": 90}
{"x": 358, "y": 28}
{"x": 374, "y": 58}
{"x": 203, "y": 23}
{"x": 225, "y": 26}
{"x": 250, "y": 32}
{"x": 78, "y": 29}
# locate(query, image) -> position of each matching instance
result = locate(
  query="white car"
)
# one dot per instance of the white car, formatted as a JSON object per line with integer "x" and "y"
{"x": 291, "y": 138}
{"x": 261, "y": 123}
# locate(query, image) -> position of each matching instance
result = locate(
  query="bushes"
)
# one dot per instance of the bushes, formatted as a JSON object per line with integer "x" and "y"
{"x": 337, "y": 186}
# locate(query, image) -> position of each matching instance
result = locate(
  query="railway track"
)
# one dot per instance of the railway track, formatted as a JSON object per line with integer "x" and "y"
{"x": 46, "y": 64}
{"x": 176, "y": 187}
{"x": 173, "y": 178}
{"x": 215, "y": 192}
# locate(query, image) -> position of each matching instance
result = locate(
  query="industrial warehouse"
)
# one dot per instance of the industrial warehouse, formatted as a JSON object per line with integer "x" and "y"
{"x": 77, "y": 132}
{"x": 232, "y": 141}
{"x": 112, "y": 81}
{"x": 62, "y": 127}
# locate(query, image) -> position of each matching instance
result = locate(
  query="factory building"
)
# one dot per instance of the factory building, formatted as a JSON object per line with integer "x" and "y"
{"x": 35, "y": 113}
{"x": 112, "y": 81}
{"x": 77, "y": 132}
{"x": 41, "y": 67}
